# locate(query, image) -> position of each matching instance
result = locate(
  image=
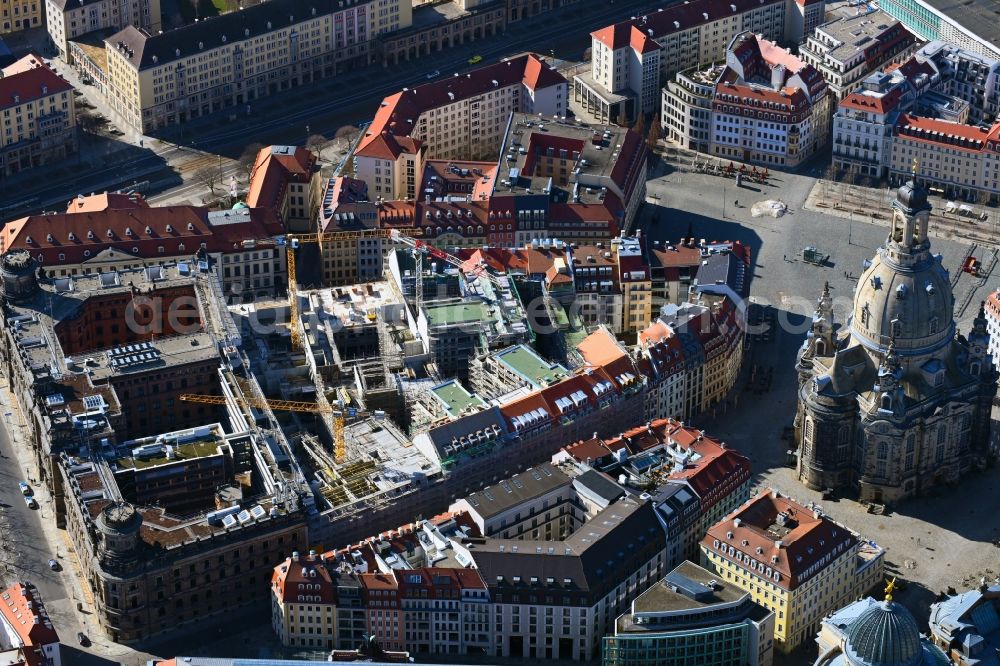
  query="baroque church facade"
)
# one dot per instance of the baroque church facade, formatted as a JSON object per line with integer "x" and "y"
{"x": 896, "y": 400}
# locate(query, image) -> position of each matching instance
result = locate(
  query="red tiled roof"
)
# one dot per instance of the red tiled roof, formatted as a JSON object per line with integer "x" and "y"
{"x": 642, "y": 42}
{"x": 73, "y": 234}
{"x": 27, "y": 616}
{"x": 96, "y": 203}
{"x": 954, "y": 135}
{"x": 615, "y": 36}
{"x": 600, "y": 348}
{"x": 306, "y": 576}
{"x": 805, "y": 541}
{"x": 388, "y": 135}
{"x": 276, "y": 166}
{"x": 29, "y": 80}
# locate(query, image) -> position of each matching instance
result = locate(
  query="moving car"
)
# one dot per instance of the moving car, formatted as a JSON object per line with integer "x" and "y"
{"x": 434, "y": 74}
{"x": 30, "y": 501}
{"x": 476, "y": 59}
{"x": 54, "y": 565}
{"x": 25, "y": 488}
{"x": 82, "y": 639}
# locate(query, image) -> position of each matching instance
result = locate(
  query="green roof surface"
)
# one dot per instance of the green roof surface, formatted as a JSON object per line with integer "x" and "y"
{"x": 525, "y": 362}
{"x": 456, "y": 313}
{"x": 455, "y": 397}
{"x": 190, "y": 451}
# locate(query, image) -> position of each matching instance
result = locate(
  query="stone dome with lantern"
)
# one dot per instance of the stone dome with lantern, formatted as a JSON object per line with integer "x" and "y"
{"x": 894, "y": 400}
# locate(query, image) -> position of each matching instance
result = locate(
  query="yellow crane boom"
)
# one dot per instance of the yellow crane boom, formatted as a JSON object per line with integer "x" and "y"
{"x": 339, "y": 415}
{"x": 292, "y": 241}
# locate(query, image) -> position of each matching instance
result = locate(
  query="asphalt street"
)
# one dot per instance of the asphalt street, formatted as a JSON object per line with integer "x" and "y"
{"x": 323, "y": 107}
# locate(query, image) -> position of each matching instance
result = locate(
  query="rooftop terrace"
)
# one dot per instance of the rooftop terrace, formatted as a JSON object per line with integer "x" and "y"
{"x": 456, "y": 398}
{"x": 532, "y": 367}
{"x": 172, "y": 447}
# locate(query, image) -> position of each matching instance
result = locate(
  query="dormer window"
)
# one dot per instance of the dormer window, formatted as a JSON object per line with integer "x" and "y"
{"x": 49, "y": 238}
{"x": 128, "y": 231}
{"x": 110, "y": 234}
{"x": 170, "y": 229}
{"x": 190, "y": 227}
{"x": 90, "y": 235}
{"x": 72, "y": 236}
{"x": 148, "y": 230}
{"x": 180, "y": 247}
{"x": 29, "y": 240}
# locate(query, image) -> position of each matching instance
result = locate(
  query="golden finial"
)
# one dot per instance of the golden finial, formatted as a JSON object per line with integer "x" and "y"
{"x": 889, "y": 588}
{"x": 914, "y": 166}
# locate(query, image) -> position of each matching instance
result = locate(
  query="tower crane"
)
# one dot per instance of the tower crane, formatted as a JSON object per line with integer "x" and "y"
{"x": 423, "y": 247}
{"x": 291, "y": 243}
{"x": 340, "y": 415}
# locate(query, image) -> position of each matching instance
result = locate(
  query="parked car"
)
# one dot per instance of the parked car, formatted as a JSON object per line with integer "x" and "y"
{"x": 30, "y": 501}
{"x": 434, "y": 74}
{"x": 54, "y": 565}
{"x": 82, "y": 639}
{"x": 25, "y": 488}
{"x": 476, "y": 59}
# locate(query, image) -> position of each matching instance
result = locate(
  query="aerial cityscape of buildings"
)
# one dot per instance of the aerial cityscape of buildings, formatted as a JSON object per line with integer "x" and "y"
{"x": 398, "y": 331}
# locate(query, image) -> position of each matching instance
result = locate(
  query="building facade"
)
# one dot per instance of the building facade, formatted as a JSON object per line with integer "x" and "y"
{"x": 847, "y": 50}
{"x": 629, "y": 60}
{"x": 39, "y": 116}
{"x": 66, "y": 20}
{"x": 17, "y": 15}
{"x": 230, "y": 62}
{"x": 913, "y": 411}
{"x": 691, "y": 617}
{"x": 964, "y": 626}
{"x": 935, "y": 20}
{"x": 792, "y": 560}
{"x": 287, "y": 180}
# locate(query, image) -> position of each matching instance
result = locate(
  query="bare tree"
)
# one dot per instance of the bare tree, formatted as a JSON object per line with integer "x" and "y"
{"x": 653, "y": 138}
{"x": 248, "y": 158}
{"x": 640, "y": 125}
{"x": 316, "y": 143}
{"x": 209, "y": 176}
{"x": 587, "y": 54}
{"x": 829, "y": 176}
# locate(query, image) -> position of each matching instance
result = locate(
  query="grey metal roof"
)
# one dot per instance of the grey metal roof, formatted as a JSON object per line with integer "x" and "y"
{"x": 529, "y": 484}
{"x": 884, "y": 634}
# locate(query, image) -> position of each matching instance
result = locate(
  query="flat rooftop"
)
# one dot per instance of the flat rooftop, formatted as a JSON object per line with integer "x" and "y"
{"x": 171, "y": 447}
{"x": 455, "y": 398}
{"x": 856, "y": 33}
{"x": 977, "y": 16}
{"x": 532, "y": 367}
{"x": 686, "y": 587}
{"x": 61, "y": 298}
{"x": 463, "y": 312}
{"x": 566, "y": 159}
{"x": 357, "y": 305}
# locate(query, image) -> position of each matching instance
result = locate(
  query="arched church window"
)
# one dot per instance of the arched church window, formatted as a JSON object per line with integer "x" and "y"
{"x": 883, "y": 450}
{"x": 821, "y": 347}
{"x": 942, "y": 433}
{"x": 911, "y": 443}
{"x": 886, "y": 401}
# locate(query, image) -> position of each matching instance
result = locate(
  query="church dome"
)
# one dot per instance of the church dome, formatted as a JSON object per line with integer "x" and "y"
{"x": 911, "y": 304}
{"x": 883, "y": 635}
{"x": 912, "y": 196}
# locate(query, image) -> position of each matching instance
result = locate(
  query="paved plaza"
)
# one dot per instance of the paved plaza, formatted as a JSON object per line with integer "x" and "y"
{"x": 933, "y": 542}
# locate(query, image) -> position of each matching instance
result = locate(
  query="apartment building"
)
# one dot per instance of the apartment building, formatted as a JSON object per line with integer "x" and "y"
{"x": 967, "y": 75}
{"x": 17, "y": 15}
{"x": 793, "y": 560}
{"x": 694, "y": 478}
{"x": 66, "y": 20}
{"x": 790, "y": 100}
{"x": 84, "y": 241}
{"x": 436, "y": 27}
{"x": 691, "y": 616}
{"x": 29, "y": 638}
{"x": 508, "y": 370}
{"x": 863, "y": 123}
{"x": 848, "y": 49}
{"x": 286, "y": 179}
{"x": 629, "y": 60}
{"x": 957, "y": 160}
{"x": 454, "y": 118}
{"x": 991, "y": 312}
{"x": 233, "y": 60}
{"x": 346, "y": 206}
{"x": 963, "y": 625}
{"x": 38, "y": 113}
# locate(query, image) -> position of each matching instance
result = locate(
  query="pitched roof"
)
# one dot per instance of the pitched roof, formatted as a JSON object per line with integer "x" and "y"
{"x": 26, "y": 614}
{"x": 790, "y": 537}
{"x": 29, "y": 79}
{"x": 944, "y": 132}
{"x": 138, "y": 232}
{"x": 303, "y": 576}
{"x": 518, "y": 489}
{"x": 274, "y": 168}
{"x": 96, "y": 203}
{"x": 601, "y": 347}
{"x": 388, "y": 136}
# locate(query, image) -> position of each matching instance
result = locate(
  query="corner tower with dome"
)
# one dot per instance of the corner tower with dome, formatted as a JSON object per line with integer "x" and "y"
{"x": 895, "y": 400}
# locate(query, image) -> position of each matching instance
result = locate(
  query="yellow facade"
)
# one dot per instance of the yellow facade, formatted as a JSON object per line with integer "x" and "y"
{"x": 19, "y": 15}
